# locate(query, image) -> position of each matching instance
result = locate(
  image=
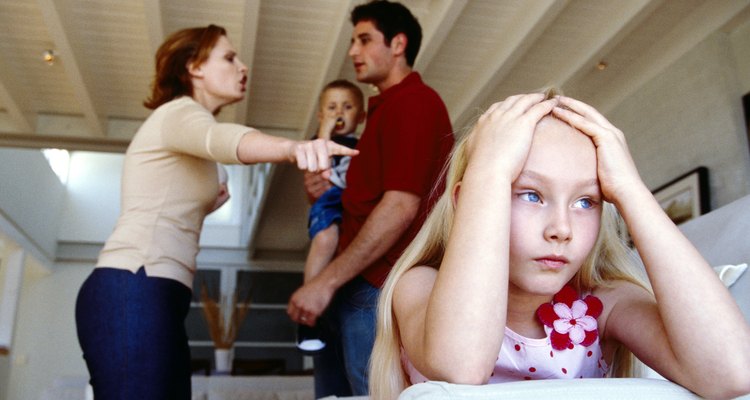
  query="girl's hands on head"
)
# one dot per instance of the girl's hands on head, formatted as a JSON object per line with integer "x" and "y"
{"x": 315, "y": 155}
{"x": 502, "y": 137}
{"x": 616, "y": 169}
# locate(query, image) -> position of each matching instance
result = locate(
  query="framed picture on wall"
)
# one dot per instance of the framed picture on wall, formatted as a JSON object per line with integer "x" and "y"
{"x": 685, "y": 197}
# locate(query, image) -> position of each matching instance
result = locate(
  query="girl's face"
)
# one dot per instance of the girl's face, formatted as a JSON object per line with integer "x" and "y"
{"x": 555, "y": 210}
{"x": 223, "y": 76}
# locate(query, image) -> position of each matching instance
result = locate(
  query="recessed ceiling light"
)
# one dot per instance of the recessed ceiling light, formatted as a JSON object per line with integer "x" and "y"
{"x": 49, "y": 56}
{"x": 602, "y": 65}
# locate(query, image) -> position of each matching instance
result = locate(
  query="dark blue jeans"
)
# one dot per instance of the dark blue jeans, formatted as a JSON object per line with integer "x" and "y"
{"x": 131, "y": 328}
{"x": 349, "y": 329}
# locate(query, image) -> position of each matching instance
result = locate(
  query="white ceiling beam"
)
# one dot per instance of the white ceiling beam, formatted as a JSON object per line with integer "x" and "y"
{"x": 54, "y": 17}
{"x": 154, "y": 24}
{"x": 72, "y": 143}
{"x": 331, "y": 63}
{"x": 537, "y": 15}
{"x": 701, "y": 23}
{"x": 246, "y": 48}
{"x": 623, "y": 17}
{"x": 438, "y": 26}
{"x": 13, "y": 108}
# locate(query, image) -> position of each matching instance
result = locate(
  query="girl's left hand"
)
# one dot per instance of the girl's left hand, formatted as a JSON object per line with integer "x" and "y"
{"x": 315, "y": 155}
{"x": 616, "y": 169}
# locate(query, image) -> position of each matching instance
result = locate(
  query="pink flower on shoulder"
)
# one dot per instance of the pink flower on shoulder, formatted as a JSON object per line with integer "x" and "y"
{"x": 573, "y": 321}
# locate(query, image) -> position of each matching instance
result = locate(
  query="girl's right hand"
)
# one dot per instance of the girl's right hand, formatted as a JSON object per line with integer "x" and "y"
{"x": 501, "y": 139}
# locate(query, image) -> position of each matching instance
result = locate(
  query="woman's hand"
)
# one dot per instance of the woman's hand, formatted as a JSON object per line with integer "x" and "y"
{"x": 616, "y": 169}
{"x": 221, "y": 198}
{"x": 315, "y": 155}
{"x": 502, "y": 136}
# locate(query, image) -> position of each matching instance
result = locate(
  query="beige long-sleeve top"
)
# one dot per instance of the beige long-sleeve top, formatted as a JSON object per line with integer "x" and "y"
{"x": 169, "y": 183}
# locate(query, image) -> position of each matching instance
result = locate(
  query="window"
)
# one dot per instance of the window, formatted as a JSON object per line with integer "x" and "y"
{"x": 59, "y": 161}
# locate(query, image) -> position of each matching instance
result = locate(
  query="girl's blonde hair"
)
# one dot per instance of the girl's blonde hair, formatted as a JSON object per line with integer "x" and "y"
{"x": 609, "y": 260}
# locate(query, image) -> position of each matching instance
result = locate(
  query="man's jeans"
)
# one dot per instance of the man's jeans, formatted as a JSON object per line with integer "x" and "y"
{"x": 348, "y": 327}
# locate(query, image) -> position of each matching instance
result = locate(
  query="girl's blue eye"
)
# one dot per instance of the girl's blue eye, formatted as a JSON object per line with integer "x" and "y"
{"x": 530, "y": 196}
{"x": 584, "y": 203}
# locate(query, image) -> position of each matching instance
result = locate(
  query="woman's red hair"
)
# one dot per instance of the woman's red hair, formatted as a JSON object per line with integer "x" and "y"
{"x": 184, "y": 47}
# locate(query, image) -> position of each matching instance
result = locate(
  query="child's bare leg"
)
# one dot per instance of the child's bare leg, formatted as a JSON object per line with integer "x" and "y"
{"x": 322, "y": 249}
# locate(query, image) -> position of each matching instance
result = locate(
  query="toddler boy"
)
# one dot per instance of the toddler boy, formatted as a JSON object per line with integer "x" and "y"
{"x": 341, "y": 111}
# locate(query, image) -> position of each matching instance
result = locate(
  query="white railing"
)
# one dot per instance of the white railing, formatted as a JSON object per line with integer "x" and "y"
{"x": 259, "y": 180}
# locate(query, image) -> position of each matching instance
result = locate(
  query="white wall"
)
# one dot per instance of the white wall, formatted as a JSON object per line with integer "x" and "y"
{"x": 46, "y": 346}
{"x": 31, "y": 197}
{"x": 691, "y": 115}
{"x": 93, "y": 197}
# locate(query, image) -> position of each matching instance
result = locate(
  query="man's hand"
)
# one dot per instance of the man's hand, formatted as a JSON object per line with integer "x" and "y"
{"x": 308, "y": 302}
{"x": 315, "y": 185}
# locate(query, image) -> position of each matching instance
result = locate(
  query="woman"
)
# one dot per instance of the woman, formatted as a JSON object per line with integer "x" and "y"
{"x": 130, "y": 312}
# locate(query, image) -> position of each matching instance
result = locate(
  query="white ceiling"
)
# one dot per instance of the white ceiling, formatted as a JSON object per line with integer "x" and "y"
{"x": 473, "y": 53}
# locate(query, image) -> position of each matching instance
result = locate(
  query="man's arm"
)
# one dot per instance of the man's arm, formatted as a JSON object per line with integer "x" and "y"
{"x": 384, "y": 226}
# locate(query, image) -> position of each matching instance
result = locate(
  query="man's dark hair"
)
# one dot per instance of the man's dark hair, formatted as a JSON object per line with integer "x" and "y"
{"x": 391, "y": 19}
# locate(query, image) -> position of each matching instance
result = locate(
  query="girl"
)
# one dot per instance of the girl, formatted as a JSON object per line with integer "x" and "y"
{"x": 525, "y": 238}
{"x": 131, "y": 310}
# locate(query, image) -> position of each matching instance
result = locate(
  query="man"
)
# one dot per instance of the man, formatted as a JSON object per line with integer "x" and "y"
{"x": 406, "y": 140}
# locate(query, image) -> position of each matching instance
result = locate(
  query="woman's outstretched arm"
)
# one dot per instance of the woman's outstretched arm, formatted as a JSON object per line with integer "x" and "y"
{"x": 309, "y": 155}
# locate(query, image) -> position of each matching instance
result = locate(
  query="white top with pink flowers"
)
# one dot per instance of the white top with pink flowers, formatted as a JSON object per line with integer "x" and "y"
{"x": 523, "y": 358}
